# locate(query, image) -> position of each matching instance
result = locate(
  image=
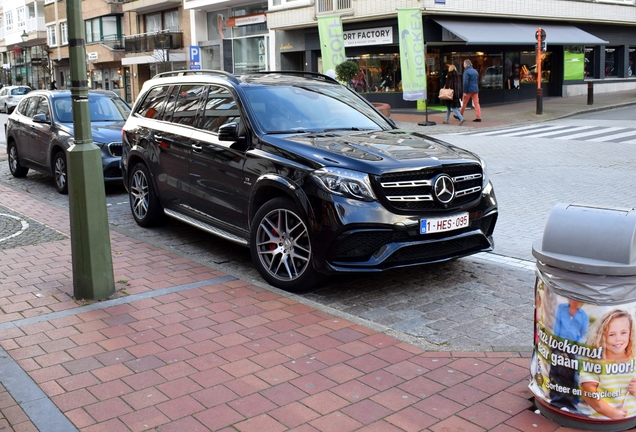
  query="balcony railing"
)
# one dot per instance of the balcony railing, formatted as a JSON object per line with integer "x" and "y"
{"x": 113, "y": 42}
{"x": 153, "y": 41}
{"x": 35, "y": 24}
{"x": 323, "y": 6}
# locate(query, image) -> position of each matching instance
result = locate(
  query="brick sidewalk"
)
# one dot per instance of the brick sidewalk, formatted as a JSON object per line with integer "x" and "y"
{"x": 184, "y": 347}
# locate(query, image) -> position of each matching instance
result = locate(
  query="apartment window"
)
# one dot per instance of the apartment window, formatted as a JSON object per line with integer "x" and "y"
{"x": 20, "y": 17}
{"x": 51, "y": 35}
{"x": 162, "y": 21}
{"x": 103, "y": 28}
{"x": 285, "y": 2}
{"x": 64, "y": 33}
{"x": 8, "y": 17}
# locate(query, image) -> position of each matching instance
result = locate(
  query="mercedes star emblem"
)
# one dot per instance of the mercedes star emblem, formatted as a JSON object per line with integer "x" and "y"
{"x": 444, "y": 189}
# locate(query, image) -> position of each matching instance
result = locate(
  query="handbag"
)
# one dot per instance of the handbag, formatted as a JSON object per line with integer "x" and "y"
{"x": 446, "y": 94}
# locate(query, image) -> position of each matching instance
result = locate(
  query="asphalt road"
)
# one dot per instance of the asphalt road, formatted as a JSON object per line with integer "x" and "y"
{"x": 478, "y": 303}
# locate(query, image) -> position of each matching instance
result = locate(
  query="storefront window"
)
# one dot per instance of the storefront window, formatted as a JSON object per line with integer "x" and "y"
{"x": 589, "y": 62}
{"x": 488, "y": 65}
{"x": 611, "y": 62}
{"x": 217, "y": 25}
{"x": 630, "y": 67}
{"x": 381, "y": 72}
{"x": 247, "y": 57}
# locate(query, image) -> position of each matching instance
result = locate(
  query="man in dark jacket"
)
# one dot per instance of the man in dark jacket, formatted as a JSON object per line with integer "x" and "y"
{"x": 471, "y": 89}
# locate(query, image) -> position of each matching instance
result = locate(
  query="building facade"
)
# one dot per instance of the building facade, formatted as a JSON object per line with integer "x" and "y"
{"x": 586, "y": 40}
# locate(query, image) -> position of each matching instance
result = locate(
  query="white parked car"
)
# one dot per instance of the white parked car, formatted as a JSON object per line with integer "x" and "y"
{"x": 10, "y": 96}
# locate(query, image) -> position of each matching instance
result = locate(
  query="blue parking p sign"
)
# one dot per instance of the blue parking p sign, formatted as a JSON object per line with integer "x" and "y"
{"x": 195, "y": 54}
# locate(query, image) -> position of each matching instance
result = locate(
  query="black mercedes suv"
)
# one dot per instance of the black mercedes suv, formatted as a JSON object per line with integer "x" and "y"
{"x": 303, "y": 171}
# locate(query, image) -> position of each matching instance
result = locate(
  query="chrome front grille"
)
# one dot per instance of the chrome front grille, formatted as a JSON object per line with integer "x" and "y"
{"x": 413, "y": 190}
{"x": 115, "y": 149}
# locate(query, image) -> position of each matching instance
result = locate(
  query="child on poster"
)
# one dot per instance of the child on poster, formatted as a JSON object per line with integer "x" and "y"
{"x": 614, "y": 332}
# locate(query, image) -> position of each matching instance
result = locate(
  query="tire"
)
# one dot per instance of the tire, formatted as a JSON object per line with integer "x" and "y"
{"x": 281, "y": 248}
{"x": 60, "y": 172}
{"x": 14, "y": 164}
{"x": 144, "y": 202}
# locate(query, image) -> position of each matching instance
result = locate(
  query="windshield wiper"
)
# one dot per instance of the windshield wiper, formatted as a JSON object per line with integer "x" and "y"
{"x": 346, "y": 129}
{"x": 294, "y": 131}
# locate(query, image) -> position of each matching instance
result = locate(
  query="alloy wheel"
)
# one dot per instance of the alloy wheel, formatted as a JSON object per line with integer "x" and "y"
{"x": 60, "y": 173}
{"x": 139, "y": 194}
{"x": 283, "y": 245}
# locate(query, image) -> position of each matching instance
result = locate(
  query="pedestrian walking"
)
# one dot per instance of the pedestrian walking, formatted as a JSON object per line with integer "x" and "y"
{"x": 53, "y": 86}
{"x": 471, "y": 89}
{"x": 452, "y": 82}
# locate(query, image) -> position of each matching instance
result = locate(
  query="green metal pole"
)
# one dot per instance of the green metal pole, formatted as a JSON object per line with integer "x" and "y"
{"x": 93, "y": 276}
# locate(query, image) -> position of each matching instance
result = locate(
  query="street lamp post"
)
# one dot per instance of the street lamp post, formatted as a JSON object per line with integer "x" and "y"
{"x": 25, "y": 38}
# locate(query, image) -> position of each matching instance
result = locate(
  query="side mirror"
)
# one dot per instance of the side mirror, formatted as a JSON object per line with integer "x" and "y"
{"x": 40, "y": 118}
{"x": 229, "y": 132}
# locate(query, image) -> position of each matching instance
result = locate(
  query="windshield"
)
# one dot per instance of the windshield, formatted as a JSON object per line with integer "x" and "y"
{"x": 101, "y": 109}
{"x": 20, "y": 91}
{"x": 311, "y": 108}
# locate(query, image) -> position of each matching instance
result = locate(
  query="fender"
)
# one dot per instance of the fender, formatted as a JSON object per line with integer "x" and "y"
{"x": 288, "y": 187}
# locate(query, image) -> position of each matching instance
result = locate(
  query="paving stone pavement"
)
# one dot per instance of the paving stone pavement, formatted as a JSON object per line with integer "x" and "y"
{"x": 186, "y": 345}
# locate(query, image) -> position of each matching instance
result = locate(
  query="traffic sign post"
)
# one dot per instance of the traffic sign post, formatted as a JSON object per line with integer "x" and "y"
{"x": 540, "y": 36}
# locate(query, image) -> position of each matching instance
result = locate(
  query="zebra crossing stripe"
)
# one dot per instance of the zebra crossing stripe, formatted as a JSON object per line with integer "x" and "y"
{"x": 629, "y": 133}
{"x": 543, "y": 129}
{"x": 565, "y": 129}
{"x": 590, "y": 134}
{"x": 498, "y": 131}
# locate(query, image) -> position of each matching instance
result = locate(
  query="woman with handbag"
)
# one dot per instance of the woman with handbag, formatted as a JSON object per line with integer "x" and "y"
{"x": 452, "y": 98}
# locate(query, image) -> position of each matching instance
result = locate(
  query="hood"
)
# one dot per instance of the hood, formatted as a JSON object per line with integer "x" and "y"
{"x": 375, "y": 151}
{"x": 103, "y": 132}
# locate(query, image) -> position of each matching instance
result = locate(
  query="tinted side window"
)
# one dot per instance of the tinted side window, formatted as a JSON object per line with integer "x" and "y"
{"x": 220, "y": 109}
{"x": 152, "y": 106}
{"x": 26, "y": 106}
{"x": 42, "y": 108}
{"x": 187, "y": 104}
{"x": 169, "y": 108}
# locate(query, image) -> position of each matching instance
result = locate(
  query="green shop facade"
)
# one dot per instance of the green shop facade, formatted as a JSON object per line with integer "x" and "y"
{"x": 503, "y": 52}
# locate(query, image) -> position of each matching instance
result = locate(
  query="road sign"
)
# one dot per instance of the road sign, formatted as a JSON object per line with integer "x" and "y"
{"x": 543, "y": 46}
{"x": 536, "y": 34}
{"x": 195, "y": 54}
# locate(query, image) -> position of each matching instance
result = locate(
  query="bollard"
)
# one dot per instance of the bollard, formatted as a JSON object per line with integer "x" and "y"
{"x": 584, "y": 354}
{"x": 590, "y": 93}
{"x": 539, "y": 101}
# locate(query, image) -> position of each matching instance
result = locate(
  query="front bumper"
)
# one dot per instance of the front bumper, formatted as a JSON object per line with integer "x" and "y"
{"x": 365, "y": 237}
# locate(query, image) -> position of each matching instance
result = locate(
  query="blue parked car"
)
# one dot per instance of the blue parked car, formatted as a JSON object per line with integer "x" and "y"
{"x": 40, "y": 130}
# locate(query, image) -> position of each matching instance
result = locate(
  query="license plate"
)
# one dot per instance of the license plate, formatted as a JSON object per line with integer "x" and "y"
{"x": 442, "y": 224}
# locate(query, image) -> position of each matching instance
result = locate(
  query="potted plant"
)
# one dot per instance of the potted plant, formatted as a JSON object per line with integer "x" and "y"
{"x": 18, "y": 78}
{"x": 346, "y": 71}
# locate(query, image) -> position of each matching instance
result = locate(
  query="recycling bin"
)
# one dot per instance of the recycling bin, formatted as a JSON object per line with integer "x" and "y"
{"x": 583, "y": 366}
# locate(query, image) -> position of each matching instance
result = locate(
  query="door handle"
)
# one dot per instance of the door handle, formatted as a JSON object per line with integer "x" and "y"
{"x": 197, "y": 147}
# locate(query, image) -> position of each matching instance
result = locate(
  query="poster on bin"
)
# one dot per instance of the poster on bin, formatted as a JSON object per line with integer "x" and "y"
{"x": 583, "y": 362}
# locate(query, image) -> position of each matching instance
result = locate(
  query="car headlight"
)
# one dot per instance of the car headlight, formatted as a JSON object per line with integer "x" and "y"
{"x": 343, "y": 182}
{"x": 484, "y": 169}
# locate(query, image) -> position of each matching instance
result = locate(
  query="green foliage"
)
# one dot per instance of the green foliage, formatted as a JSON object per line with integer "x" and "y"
{"x": 18, "y": 78}
{"x": 346, "y": 71}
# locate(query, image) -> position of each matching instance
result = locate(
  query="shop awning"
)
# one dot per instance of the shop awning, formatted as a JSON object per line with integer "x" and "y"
{"x": 506, "y": 33}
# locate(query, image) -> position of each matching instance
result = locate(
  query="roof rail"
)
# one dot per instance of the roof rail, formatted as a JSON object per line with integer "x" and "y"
{"x": 218, "y": 73}
{"x": 293, "y": 72}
